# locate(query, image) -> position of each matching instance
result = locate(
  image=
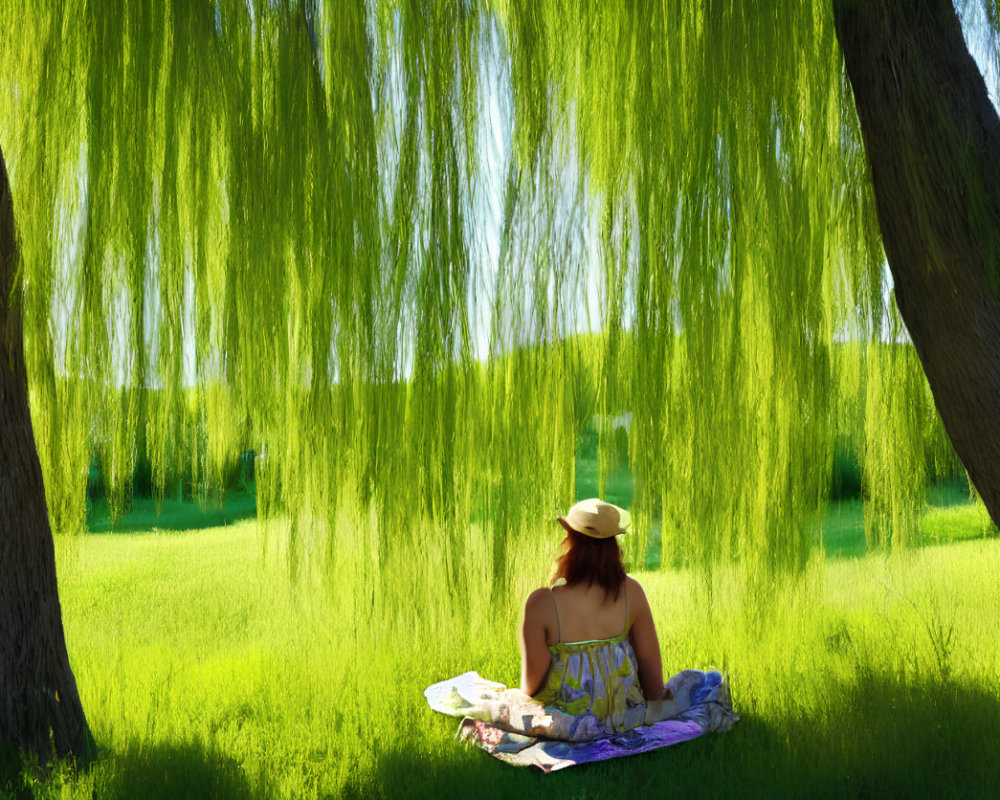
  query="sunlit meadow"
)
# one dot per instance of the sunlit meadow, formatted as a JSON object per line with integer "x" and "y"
{"x": 206, "y": 670}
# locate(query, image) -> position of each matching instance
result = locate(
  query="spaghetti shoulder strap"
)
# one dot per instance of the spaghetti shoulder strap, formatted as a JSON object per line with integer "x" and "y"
{"x": 558, "y": 625}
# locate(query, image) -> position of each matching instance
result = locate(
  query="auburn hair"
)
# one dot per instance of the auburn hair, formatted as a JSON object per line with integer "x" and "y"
{"x": 587, "y": 560}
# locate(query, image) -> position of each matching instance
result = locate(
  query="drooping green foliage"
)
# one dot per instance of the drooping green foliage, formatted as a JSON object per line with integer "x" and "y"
{"x": 406, "y": 252}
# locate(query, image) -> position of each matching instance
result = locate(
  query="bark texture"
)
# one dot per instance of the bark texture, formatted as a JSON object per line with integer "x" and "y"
{"x": 932, "y": 138}
{"x": 40, "y": 710}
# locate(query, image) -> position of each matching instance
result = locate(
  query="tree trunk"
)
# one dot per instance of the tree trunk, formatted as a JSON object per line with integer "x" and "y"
{"x": 933, "y": 143}
{"x": 40, "y": 711}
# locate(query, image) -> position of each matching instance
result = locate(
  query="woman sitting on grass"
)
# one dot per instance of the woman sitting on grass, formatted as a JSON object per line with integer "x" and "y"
{"x": 591, "y": 678}
{"x": 588, "y": 642}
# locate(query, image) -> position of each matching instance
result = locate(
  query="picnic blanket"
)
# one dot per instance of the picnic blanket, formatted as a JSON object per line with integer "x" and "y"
{"x": 514, "y": 728}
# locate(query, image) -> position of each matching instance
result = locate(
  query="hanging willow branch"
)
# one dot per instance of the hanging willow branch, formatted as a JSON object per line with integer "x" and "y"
{"x": 408, "y": 254}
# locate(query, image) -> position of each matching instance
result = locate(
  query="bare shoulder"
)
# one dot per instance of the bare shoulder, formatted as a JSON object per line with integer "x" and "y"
{"x": 635, "y": 593}
{"x": 542, "y": 593}
{"x": 538, "y": 601}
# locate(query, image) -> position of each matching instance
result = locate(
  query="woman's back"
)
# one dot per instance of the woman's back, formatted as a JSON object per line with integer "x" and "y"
{"x": 593, "y": 674}
{"x": 586, "y": 612}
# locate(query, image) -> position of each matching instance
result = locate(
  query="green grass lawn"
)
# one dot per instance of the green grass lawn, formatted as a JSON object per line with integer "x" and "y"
{"x": 206, "y": 672}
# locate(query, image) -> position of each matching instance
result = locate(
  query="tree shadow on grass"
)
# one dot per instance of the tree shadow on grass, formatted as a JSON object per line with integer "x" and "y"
{"x": 175, "y": 771}
{"x": 166, "y": 771}
{"x": 881, "y": 736}
{"x": 11, "y": 769}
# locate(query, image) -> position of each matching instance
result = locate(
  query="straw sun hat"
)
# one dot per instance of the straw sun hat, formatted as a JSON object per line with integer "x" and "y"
{"x": 596, "y": 519}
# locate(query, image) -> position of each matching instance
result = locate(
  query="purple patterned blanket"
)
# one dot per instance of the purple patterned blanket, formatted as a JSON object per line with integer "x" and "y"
{"x": 514, "y": 728}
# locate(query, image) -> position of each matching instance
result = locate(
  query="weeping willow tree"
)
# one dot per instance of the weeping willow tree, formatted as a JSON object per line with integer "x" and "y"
{"x": 933, "y": 141}
{"x": 408, "y": 253}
